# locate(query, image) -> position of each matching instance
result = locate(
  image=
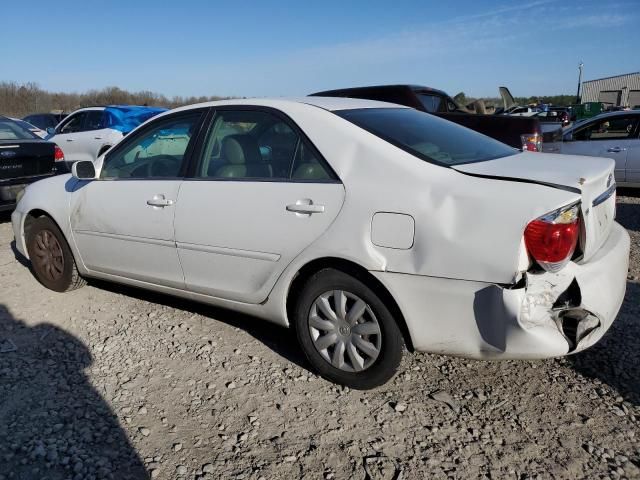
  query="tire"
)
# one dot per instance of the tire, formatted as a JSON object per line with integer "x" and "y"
{"x": 51, "y": 259}
{"x": 351, "y": 340}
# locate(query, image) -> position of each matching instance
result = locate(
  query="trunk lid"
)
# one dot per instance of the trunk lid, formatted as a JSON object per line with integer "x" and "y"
{"x": 25, "y": 158}
{"x": 590, "y": 177}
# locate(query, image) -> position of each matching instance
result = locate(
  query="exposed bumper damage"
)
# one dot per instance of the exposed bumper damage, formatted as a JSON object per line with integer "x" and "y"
{"x": 552, "y": 300}
{"x": 544, "y": 315}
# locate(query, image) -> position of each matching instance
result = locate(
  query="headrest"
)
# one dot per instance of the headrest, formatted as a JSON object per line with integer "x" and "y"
{"x": 241, "y": 150}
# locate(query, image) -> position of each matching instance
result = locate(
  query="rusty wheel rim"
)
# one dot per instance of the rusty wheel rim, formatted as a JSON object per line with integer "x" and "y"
{"x": 48, "y": 255}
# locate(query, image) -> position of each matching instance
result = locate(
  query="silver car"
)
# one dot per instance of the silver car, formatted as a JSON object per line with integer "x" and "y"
{"x": 613, "y": 135}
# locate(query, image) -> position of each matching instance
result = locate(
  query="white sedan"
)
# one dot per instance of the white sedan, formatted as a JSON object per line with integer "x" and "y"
{"x": 365, "y": 226}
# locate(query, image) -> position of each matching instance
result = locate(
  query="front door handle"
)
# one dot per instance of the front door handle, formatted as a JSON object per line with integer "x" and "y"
{"x": 305, "y": 206}
{"x": 159, "y": 201}
{"x": 97, "y": 138}
{"x": 69, "y": 139}
{"x": 616, "y": 149}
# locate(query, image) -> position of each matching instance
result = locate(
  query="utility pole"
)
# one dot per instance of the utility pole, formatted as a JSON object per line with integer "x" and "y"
{"x": 579, "y": 81}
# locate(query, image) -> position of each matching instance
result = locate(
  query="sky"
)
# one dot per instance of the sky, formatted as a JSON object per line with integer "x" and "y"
{"x": 292, "y": 48}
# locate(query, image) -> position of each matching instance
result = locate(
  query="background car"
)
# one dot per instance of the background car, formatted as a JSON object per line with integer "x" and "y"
{"x": 363, "y": 225}
{"x": 44, "y": 121}
{"x": 614, "y": 135}
{"x": 24, "y": 159}
{"x": 89, "y": 132}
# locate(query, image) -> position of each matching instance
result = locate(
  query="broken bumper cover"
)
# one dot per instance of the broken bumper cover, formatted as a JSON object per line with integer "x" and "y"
{"x": 545, "y": 316}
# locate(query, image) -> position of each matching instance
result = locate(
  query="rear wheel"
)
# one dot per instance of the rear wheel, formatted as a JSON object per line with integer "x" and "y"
{"x": 51, "y": 258}
{"x": 346, "y": 331}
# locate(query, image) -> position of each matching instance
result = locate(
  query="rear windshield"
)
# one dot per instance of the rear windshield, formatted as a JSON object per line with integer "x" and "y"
{"x": 10, "y": 130}
{"x": 427, "y": 136}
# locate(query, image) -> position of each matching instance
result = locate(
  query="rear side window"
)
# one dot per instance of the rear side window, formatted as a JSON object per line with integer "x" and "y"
{"x": 432, "y": 103}
{"x": 426, "y": 136}
{"x": 10, "y": 130}
{"x": 258, "y": 145}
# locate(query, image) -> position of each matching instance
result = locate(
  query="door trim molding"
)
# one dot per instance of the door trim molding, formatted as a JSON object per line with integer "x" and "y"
{"x": 234, "y": 252}
{"x": 127, "y": 238}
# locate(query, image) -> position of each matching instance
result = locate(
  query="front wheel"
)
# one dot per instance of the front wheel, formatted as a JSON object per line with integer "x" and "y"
{"x": 51, "y": 258}
{"x": 346, "y": 332}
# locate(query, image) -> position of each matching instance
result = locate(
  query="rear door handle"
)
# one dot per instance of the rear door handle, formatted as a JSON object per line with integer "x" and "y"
{"x": 69, "y": 139}
{"x": 616, "y": 149}
{"x": 159, "y": 201}
{"x": 97, "y": 138}
{"x": 306, "y": 208}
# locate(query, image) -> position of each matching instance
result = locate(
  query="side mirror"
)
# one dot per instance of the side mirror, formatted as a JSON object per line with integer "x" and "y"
{"x": 83, "y": 170}
{"x": 51, "y": 131}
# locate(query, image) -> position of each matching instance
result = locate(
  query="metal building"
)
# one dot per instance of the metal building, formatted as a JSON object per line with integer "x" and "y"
{"x": 618, "y": 91}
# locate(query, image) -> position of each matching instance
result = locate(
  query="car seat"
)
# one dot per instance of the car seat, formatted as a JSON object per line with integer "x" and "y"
{"x": 241, "y": 157}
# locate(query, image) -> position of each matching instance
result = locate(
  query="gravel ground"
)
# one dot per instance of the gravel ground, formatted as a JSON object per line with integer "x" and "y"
{"x": 112, "y": 382}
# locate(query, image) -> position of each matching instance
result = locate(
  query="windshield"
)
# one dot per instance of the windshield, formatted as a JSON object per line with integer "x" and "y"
{"x": 10, "y": 130}
{"x": 428, "y": 137}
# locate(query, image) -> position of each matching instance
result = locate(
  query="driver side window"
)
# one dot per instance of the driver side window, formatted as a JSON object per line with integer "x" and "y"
{"x": 73, "y": 124}
{"x": 157, "y": 152}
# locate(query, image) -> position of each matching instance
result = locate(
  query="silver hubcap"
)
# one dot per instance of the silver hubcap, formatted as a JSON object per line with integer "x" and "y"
{"x": 345, "y": 331}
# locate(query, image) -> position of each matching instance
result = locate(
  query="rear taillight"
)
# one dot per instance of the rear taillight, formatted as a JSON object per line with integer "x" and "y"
{"x": 552, "y": 238}
{"x": 531, "y": 143}
{"x": 58, "y": 154}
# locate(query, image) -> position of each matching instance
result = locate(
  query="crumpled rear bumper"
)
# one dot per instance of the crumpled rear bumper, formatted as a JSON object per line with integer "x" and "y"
{"x": 544, "y": 316}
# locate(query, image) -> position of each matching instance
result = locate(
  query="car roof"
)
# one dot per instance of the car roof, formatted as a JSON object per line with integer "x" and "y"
{"x": 331, "y": 104}
{"x": 616, "y": 113}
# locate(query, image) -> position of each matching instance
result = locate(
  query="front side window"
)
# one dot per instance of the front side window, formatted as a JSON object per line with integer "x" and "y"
{"x": 94, "y": 120}
{"x": 247, "y": 144}
{"x": 426, "y": 136}
{"x": 610, "y": 128}
{"x": 156, "y": 152}
{"x": 73, "y": 124}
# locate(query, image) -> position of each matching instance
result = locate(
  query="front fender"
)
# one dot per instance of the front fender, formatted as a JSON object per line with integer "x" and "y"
{"x": 52, "y": 198}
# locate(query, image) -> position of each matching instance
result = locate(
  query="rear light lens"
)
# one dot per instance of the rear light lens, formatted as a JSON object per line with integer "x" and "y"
{"x": 531, "y": 143}
{"x": 58, "y": 154}
{"x": 552, "y": 238}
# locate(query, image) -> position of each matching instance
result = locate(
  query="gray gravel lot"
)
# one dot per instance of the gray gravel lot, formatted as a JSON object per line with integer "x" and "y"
{"x": 112, "y": 382}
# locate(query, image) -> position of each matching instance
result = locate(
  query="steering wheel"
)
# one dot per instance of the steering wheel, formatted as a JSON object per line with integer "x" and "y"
{"x": 163, "y": 166}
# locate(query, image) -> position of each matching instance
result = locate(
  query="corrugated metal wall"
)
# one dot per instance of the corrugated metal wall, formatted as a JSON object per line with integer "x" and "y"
{"x": 623, "y": 83}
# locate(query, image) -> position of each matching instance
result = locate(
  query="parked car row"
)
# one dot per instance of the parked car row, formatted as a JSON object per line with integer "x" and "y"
{"x": 364, "y": 225}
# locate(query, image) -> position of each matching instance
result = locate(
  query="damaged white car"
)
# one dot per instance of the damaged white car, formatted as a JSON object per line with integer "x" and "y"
{"x": 365, "y": 226}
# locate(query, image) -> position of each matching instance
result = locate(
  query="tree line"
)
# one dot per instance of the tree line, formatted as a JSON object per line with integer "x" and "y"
{"x": 19, "y": 100}
{"x": 558, "y": 100}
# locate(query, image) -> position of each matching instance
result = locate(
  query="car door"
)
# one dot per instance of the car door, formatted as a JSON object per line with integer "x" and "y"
{"x": 610, "y": 136}
{"x": 260, "y": 194}
{"x": 633, "y": 156}
{"x": 65, "y": 135}
{"x": 123, "y": 222}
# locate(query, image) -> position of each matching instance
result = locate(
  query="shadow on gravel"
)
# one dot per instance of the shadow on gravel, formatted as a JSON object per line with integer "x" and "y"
{"x": 5, "y": 217}
{"x": 53, "y": 423}
{"x": 615, "y": 360}
{"x": 281, "y": 340}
